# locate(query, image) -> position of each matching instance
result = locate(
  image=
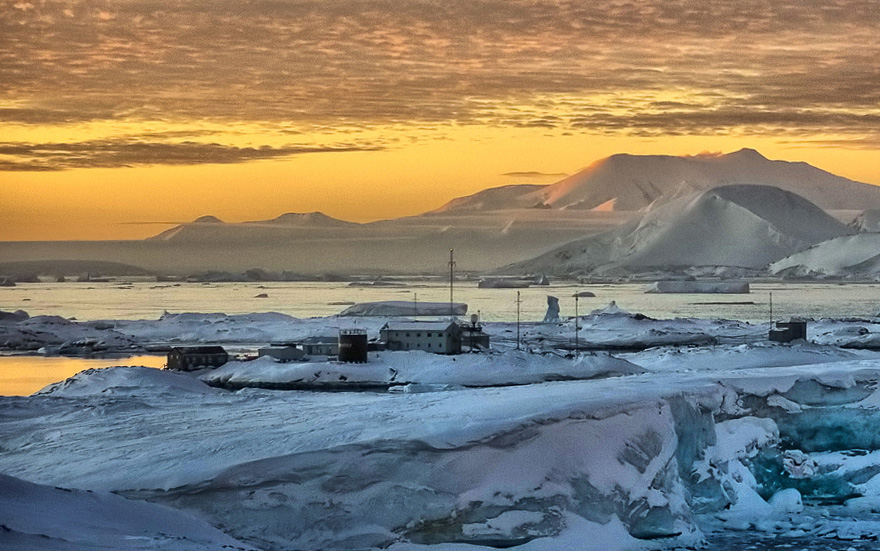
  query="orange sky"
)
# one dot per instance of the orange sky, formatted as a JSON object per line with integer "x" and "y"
{"x": 114, "y": 115}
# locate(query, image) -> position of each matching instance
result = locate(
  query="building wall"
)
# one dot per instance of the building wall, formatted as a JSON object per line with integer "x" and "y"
{"x": 438, "y": 342}
{"x": 321, "y": 349}
{"x": 191, "y": 362}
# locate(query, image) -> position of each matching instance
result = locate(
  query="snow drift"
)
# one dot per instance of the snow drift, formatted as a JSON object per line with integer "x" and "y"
{"x": 413, "y": 370}
{"x": 743, "y": 226}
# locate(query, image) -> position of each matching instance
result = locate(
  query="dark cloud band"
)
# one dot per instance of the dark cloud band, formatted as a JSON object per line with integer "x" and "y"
{"x": 123, "y": 153}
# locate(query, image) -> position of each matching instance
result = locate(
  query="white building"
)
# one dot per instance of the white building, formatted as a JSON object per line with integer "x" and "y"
{"x": 440, "y": 337}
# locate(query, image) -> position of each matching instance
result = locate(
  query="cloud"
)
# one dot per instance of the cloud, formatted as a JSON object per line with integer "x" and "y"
{"x": 790, "y": 65}
{"x": 534, "y": 175}
{"x": 127, "y": 153}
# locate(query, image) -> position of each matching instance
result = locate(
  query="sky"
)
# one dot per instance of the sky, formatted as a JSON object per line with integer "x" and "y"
{"x": 119, "y": 117}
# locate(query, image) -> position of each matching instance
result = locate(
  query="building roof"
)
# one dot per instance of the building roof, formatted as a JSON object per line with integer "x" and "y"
{"x": 199, "y": 349}
{"x": 320, "y": 340}
{"x": 418, "y": 325}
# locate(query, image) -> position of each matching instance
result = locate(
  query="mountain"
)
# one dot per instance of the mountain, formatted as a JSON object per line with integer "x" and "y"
{"x": 867, "y": 221}
{"x": 852, "y": 254}
{"x": 306, "y": 219}
{"x": 208, "y": 220}
{"x": 743, "y": 226}
{"x": 632, "y": 182}
{"x": 496, "y": 198}
{"x": 212, "y": 229}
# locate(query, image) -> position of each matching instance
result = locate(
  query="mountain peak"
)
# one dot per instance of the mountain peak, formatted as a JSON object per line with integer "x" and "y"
{"x": 208, "y": 219}
{"x": 747, "y": 153}
{"x": 315, "y": 218}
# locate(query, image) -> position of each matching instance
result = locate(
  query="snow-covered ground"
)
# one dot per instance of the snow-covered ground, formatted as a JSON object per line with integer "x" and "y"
{"x": 684, "y": 442}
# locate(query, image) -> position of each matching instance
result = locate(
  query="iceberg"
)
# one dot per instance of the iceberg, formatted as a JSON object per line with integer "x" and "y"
{"x": 684, "y": 286}
{"x": 391, "y": 308}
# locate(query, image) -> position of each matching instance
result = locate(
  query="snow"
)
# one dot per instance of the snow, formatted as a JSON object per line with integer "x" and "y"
{"x": 42, "y": 517}
{"x": 405, "y": 308}
{"x": 867, "y": 221}
{"x": 634, "y": 182}
{"x": 851, "y": 254}
{"x": 718, "y": 287}
{"x": 513, "y": 448}
{"x": 741, "y": 226}
{"x": 421, "y": 368}
{"x": 126, "y": 381}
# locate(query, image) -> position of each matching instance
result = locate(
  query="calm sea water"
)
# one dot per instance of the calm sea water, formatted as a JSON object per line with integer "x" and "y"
{"x": 24, "y": 375}
{"x": 21, "y": 375}
{"x": 148, "y": 300}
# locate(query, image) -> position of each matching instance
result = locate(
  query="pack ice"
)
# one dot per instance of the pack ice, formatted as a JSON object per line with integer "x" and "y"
{"x": 681, "y": 444}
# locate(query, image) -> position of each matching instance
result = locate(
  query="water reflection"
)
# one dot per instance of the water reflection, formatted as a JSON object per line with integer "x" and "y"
{"x": 24, "y": 375}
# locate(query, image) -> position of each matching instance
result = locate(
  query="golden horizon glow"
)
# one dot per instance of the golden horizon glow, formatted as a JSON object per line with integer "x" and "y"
{"x": 111, "y": 120}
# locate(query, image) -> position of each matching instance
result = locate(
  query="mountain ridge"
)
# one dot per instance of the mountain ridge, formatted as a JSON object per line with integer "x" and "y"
{"x": 635, "y": 182}
{"x": 738, "y": 226}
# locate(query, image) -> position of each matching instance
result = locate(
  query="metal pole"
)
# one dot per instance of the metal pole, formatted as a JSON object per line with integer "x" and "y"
{"x": 451, "y": 276}
{"x": 771, "y": 310}
{"x": 577, "y": 343}
{"x": 415, "y": 303}
{"x": 518, "y": 301}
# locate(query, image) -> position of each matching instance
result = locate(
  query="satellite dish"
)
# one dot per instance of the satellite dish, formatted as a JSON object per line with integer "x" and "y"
{"x": 474, "y": 319}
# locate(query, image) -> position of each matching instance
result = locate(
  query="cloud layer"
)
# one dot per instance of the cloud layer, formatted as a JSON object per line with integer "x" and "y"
{"x": 653, "y": 67}
{"x": 128, "y": 153}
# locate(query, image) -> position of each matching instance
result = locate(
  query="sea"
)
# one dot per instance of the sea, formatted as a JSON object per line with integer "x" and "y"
{"x": 128, "y": 299}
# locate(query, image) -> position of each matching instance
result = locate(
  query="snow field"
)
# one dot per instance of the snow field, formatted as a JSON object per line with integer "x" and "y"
{"x": 529, "y": 466}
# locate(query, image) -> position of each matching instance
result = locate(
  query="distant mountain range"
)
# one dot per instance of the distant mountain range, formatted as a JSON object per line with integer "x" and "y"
{"x": 620, "y": 212}
{"x": 633, "y": 182}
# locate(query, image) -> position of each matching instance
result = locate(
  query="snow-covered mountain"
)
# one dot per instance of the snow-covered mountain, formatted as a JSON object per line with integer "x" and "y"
{"x": 632, "y": 182}
{"x": 867, "y": 221}
{"x": 743, "y": 226}
{"x": 496, "y": 198}
{"x": 212, "y": 229}
{"x": 849, "y": 255}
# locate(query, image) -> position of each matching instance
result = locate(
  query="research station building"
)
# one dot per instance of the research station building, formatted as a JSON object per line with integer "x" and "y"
{"x": 439, "y": 337}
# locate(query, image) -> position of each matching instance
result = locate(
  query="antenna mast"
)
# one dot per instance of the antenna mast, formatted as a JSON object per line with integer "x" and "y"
{"x": 771, "y": 310}
{"x": 451, "y": 278}
{"x": 577, "y": 344}
{"x": 518, "y": 302}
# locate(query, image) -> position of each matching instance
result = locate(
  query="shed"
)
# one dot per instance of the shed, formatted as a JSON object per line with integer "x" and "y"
{"x": 282, "y": 353}
{"x": 191, "y": 358}
{"x": 473, "y": 338}
{"x": 320, "y": 346}
{"x": 787, "y": 331}
{"x": 440, "y": 337}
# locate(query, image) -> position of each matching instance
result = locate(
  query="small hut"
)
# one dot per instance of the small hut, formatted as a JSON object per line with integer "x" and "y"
{"x": 787, "y": 331}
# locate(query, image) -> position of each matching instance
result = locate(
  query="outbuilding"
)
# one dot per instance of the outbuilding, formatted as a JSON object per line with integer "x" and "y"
{"x": 320, "y": 346}
{"x": 787, "y": 331}
{"x": 191, "y": 358}
{"x": 439, "y": 337}
{"x": 282, "y": 353}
